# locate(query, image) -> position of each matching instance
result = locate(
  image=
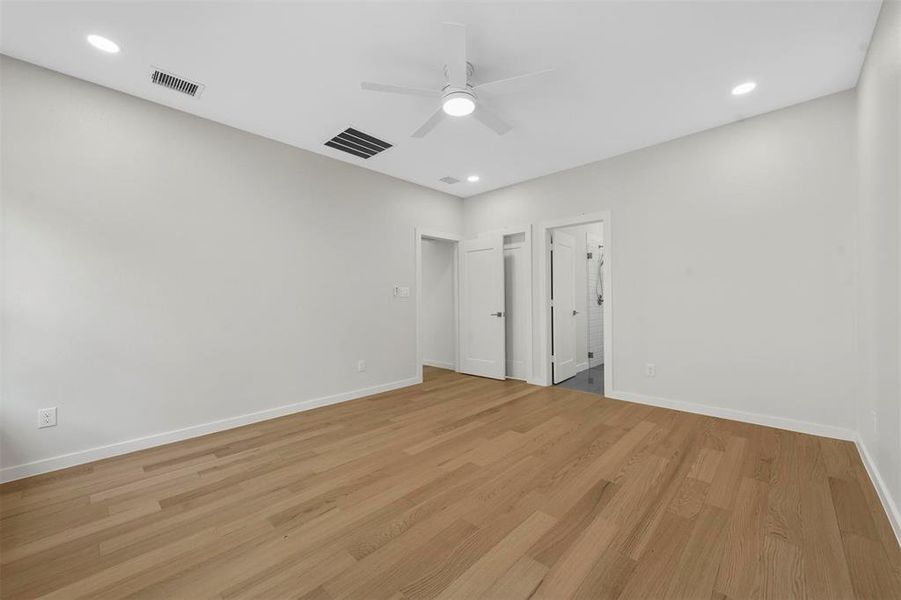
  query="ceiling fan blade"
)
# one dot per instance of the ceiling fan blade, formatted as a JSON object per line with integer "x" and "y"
{"x": 429, "y": 125}
{"x": 490, "y": 120}
{"x": 500, "y": 83}
{"x": 455, "y": 54}
{"x": 399, "y": 89}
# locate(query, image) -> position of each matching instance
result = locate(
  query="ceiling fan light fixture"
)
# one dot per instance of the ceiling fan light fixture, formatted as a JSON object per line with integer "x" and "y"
{"x": 458, "y": 95}
{"x": 459, "y": 104}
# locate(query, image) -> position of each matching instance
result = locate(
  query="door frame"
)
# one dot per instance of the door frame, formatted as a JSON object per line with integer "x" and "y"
{"x": 526, "y": 230}
{"x": 544, "y": 294}
{"x": 418, "y": 235}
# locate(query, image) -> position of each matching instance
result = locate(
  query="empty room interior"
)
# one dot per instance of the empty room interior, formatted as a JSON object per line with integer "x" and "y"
{"x": 450, "y": 300}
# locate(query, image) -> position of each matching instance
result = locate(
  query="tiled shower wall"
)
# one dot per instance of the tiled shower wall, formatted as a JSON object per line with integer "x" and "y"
{"x": 595, "y": 310}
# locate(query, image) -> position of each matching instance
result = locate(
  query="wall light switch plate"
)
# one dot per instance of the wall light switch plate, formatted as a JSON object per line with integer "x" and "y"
{"x": 46, "y": 417}
{"x": 404, "y": 292}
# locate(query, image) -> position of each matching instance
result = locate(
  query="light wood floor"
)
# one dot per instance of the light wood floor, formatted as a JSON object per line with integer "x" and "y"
{"x": 460, "y": 488}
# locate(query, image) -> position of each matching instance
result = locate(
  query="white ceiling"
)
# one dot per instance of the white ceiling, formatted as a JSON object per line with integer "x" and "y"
{"x": 628, "y": 74}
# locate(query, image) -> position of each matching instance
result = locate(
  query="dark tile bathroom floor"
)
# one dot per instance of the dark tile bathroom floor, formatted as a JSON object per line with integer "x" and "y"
{"x": 590, "y": 380}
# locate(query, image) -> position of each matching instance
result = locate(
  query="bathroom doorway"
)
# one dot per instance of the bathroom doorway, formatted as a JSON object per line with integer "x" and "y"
{"x": 575, "y": 289}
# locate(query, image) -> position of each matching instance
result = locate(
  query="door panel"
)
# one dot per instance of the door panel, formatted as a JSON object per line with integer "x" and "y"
{"x": 516, "y": 314}
{"x": 563, "y": 312}
{"x": 482, "y": 307}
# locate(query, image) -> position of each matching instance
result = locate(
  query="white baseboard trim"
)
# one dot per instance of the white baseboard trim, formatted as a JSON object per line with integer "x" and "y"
{"x": 440, "y": 364}
{"x": 830, "y": 431}
{"x": 81, "y": 457}
{"x": 885, "y": 496}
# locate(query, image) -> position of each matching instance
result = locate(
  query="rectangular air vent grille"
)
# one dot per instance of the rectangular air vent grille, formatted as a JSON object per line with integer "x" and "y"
{"x": 449, "y": 180}
{"x": 357, "y": 143}
{"x": 174, "y": 82}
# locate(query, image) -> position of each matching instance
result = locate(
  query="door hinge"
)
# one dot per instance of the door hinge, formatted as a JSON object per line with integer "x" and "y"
{"x": 589, "y": 256}
{"x": 591, "y": 355}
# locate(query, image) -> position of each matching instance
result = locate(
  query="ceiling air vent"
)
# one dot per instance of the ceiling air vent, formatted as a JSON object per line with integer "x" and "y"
{"x": 449, "y": 180}
{"x": 357, "y": 143}
{"x": 174, "y": 82}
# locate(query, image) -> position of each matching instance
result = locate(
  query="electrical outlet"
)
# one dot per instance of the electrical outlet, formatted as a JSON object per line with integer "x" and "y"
{"x": 361, "y": 366}
{"x": 46, "y": 417}
{"x": 650, "y": 370}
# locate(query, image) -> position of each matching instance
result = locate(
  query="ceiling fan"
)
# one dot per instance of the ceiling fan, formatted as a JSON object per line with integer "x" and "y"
{"x": 458, "y": 96}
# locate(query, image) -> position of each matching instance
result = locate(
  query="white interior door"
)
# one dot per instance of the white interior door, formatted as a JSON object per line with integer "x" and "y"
{"x": 482, "y": 307}
{"x": 563, "y": 308}
{"x": 517, "y": 308}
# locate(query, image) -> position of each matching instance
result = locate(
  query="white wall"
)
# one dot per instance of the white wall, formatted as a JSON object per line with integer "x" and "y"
{"x": 438, "y": 304}
{"x": 879, "y": 104}
{"x": 580, "y": 233}
{"x": 162, "y": 271}
{"x": 732, "y": 261}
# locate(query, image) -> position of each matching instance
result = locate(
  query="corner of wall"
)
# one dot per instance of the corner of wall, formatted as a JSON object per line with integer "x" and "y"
{"x": 882, "y": 490}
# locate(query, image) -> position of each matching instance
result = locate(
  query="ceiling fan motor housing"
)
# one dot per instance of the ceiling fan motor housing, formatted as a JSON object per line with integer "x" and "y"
{"x": 469, "y": 71}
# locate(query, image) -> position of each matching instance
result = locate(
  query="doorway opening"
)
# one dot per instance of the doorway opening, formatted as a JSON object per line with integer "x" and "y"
{"x": 437, "y": 301}
{"x": 577, "y": 298}
{"x": 496, "y": 304}
{"x": 575, "y": 290}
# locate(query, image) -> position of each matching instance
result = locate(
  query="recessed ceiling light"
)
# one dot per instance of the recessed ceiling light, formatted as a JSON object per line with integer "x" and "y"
{"x": 102, "y": 43}
{"x": 743, "y": 88}
{"x": 472, "y": 178}
{"x": 459, "y": 104}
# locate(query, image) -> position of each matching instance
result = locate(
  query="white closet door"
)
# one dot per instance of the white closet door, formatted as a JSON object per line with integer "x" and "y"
{"x": 482, "y": 307}
{"x": 563, "y": 312}
{"x": 517, "y": 313}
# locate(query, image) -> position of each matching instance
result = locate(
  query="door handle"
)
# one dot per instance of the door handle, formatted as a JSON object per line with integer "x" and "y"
{"x": 575, "y": 312}
{"x": 497, "y": 314}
